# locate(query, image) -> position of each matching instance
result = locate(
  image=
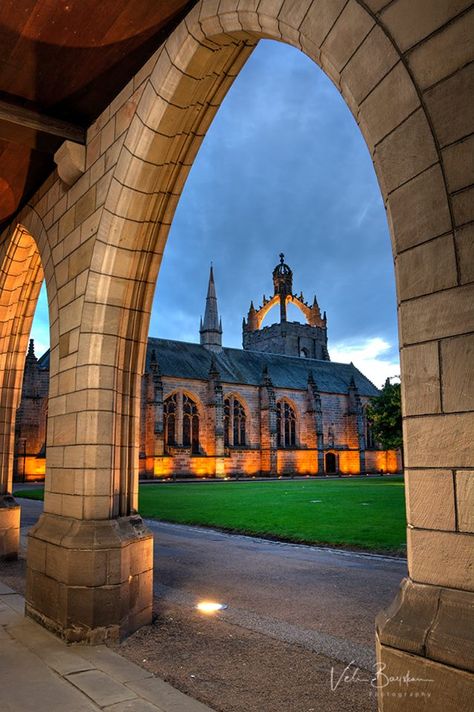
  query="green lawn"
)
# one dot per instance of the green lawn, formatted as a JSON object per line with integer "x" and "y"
{"x": 364, "y": 514}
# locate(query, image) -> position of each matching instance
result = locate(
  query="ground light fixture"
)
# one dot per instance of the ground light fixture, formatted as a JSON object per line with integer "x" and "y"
{"x": 210, "y": 607}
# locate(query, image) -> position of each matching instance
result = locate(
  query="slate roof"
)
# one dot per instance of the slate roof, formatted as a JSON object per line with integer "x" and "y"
{"x": 179, "y": 359}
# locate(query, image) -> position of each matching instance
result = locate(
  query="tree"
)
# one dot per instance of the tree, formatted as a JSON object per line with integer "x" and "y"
{"x": 385, "y": 416}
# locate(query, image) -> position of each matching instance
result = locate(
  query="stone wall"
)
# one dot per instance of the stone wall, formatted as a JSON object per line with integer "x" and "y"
{"x": 290, "y": 338}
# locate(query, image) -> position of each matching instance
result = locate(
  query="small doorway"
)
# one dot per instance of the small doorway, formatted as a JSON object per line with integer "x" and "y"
{"x": 330, "y": 463}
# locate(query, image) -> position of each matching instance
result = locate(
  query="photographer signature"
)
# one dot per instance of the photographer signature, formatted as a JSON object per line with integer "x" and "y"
{"x": 378, "y": 680}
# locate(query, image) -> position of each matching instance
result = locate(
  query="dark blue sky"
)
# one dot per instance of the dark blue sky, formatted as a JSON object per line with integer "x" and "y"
{"x": 283, "y": 168}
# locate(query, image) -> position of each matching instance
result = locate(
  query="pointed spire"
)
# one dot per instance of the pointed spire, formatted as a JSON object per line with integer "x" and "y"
{"x": 211, "y": 327}
{"x": 31, "y": 356}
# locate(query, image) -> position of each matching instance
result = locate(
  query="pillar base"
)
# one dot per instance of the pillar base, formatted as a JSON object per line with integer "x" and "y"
{"x": 9, "y": 527}
{"x": 425, "y": 650}
{"x": 90, "y": 580}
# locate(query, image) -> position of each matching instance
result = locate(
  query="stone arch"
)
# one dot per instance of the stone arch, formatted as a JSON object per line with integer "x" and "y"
{"x": 24, "y": 261}
{"x": 411, "y": 111}
{"x": 365, "y": 58}
{"x": 407, "y": 127}
{"x": 193, "y": 71}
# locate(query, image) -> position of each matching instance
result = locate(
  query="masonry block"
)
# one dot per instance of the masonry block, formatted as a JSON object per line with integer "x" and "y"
{"x": 9, "y": 527}
{"x": 425, "y": 646}
{"x": 90, "y": 581}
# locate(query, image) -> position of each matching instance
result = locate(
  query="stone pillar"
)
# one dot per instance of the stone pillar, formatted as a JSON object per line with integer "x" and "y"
{"x": 357, "y": 412}
{"x": 90, "y": 556}
{"x": 9, "y": 527}
{"x": 268, "y": 426}
{"x": 316, "y": 412}
{"x": 215, "y": 402}
{"x": 158, "y": 416}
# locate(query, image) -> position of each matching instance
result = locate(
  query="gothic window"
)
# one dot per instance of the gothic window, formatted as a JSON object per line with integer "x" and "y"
{"x": 227, "y": 418}
{"x": 190, "y": 424}
{"x": 169, "y": 417}
{"x": 369, "y": 434}
{"x": 239, "y": 423}
{"x": 234, "y": 422}
{"x": 286, "y": 425}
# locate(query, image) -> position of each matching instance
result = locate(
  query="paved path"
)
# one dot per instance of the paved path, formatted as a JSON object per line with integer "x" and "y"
{"x": 325, "y": 600}
{"x": 39, "y": 673}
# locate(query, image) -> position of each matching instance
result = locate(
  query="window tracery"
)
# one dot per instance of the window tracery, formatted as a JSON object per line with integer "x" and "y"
{"x": 286, "y": 425}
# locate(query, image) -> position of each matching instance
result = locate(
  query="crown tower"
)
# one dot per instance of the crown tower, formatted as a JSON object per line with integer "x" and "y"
{"x": 291, "y": 338}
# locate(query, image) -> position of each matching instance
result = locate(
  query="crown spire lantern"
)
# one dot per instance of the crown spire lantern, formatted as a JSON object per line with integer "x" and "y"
{"x": 211, "y": 327}
{"x": 283, "y": 284}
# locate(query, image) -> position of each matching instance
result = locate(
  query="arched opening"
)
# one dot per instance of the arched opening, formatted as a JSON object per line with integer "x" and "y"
{"x": 181, "y": 153}
{"x": 406, "y": 131}
{"x": 21, "y": 275}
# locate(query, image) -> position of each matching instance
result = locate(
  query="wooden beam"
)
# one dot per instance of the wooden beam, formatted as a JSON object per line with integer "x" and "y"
{"x": 34, "y": 129}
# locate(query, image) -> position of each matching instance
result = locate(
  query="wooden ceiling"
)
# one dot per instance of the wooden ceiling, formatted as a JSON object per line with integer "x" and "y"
{"x": 61, "y": 63}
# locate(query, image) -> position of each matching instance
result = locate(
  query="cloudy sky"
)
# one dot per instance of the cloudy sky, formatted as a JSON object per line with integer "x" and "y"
{"x": 283, "y": 168}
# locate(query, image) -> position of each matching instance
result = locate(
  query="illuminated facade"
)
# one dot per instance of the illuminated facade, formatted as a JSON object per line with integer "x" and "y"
{"x": 270, "y": 408}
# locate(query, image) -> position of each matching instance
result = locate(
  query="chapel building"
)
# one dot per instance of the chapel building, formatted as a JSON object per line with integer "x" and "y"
{"x": 279, "y": 406}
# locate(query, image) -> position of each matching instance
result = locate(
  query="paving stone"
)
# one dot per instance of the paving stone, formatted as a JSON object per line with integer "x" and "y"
{"x": 16, "y": 602}
{"x": 5, "y": 590}
{"x": 9, "y": 617}
{"x": 113, "y": 664}
{"x": 169, "y": 700}
{"x": 100, "y": 687}
{"x": 134, "y": 706}
{"x": 50, "y": 693}
{"x": 63, "y": 660}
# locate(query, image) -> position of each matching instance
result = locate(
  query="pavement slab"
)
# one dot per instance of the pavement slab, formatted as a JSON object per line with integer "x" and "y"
{"x": 113, "y": 664}
{"x": 40, "y": 673}
{"x": 101, "y": 688}
{"x": 171, "y": 701}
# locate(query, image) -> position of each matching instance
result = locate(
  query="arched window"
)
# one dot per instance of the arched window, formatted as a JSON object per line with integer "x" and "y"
{"x": 181, "y": 421}
{"x": 190, "y": 424}
{"x": 286, "y": 425}
{"x": 234, "y": 422}
{"x": 169, "y": 417}
{"x": 370, "y": 443}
